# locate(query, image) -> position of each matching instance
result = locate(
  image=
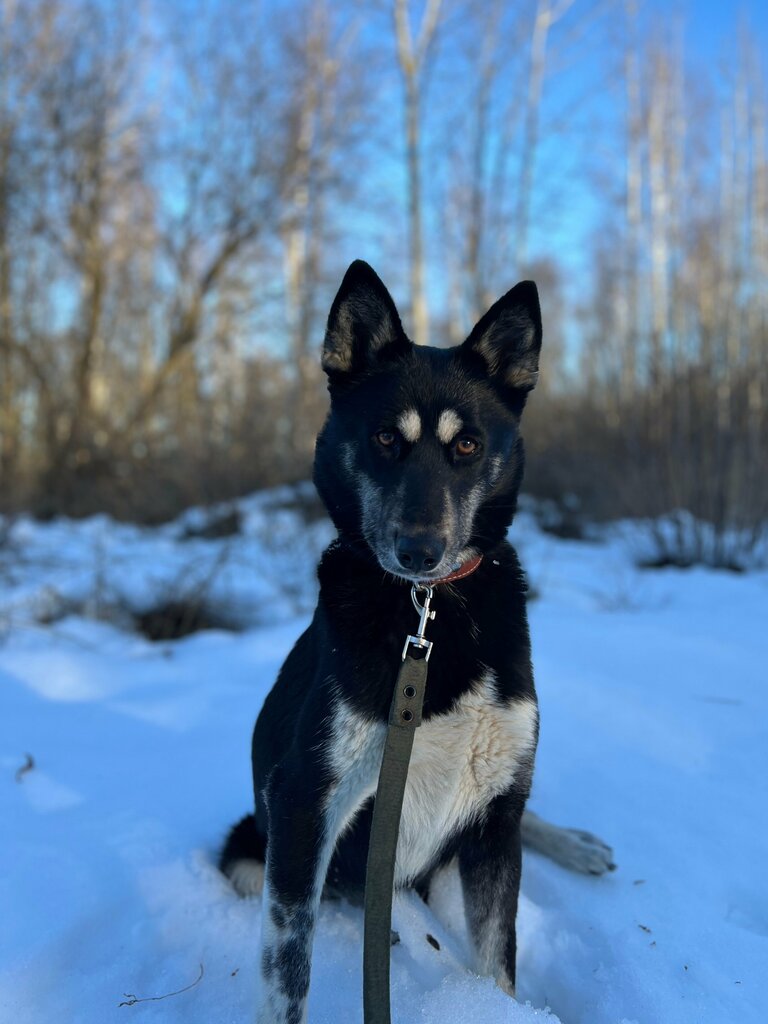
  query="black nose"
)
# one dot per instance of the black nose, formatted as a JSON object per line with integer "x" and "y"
{"x": 419, "y": 552}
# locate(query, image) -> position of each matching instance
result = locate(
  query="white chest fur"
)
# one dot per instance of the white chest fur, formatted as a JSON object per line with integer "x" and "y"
{"x": 461, "y": 760}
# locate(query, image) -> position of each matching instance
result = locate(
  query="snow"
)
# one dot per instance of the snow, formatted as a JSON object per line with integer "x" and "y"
{"x": 653, "y": 697}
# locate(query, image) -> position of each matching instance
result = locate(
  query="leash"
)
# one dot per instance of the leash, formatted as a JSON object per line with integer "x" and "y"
{"x": 404, "y": 718}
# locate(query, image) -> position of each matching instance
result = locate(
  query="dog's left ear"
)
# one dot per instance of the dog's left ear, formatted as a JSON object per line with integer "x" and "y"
{"x": 508, "y": 338}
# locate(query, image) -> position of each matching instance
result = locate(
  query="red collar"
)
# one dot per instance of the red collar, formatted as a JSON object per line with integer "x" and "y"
{"x": 458, "y": 574}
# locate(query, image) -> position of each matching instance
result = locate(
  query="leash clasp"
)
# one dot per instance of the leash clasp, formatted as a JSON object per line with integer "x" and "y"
{"x": 418, "y": 640}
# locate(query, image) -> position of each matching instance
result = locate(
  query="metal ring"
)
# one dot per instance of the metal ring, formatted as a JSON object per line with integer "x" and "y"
{"x": 416, "y": 588}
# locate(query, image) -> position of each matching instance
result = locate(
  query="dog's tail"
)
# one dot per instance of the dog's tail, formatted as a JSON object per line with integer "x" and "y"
{"x": 243, "y": 855}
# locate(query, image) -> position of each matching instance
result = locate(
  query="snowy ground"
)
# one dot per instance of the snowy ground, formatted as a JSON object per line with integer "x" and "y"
{"x": 654, "y": 735}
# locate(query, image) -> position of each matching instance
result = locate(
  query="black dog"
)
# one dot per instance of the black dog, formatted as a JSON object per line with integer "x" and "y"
{"x": 419, "y": 464}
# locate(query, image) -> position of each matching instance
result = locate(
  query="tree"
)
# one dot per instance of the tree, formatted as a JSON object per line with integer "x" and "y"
{"x": 413, "y": 54}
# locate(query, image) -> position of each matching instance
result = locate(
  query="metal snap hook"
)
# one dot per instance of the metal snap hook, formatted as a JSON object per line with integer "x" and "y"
{"x": 418, "y": 639}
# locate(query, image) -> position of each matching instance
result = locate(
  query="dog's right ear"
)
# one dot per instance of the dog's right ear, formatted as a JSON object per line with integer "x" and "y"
{"x": 364, "y": 327}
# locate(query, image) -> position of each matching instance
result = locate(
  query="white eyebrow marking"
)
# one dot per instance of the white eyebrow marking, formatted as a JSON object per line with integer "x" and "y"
{"x": 448, "y": 425}
{"x": 409, "y": 425}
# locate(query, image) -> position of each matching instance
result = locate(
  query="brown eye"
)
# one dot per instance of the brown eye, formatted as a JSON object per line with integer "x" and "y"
{"x": 466, "y": 446}
{"x": 386, "y": 438}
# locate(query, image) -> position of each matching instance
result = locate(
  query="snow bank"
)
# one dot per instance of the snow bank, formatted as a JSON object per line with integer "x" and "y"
{"x": 654, "y": 702}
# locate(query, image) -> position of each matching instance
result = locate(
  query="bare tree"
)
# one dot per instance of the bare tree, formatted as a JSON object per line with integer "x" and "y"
{"x": 179, "y": 196}
{"x": 678, "y": 382}
{"x": 413, "y": 53}
{"x": 547, "y": 14}
{"x": 326, "y": 112}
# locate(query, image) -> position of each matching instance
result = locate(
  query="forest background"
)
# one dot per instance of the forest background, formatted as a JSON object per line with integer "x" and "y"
{"x": 183, "y": 184}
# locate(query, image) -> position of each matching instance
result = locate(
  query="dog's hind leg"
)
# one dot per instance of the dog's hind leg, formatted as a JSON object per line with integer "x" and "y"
{"x": 569, "y": 847}
{"x": 489, "y": 866}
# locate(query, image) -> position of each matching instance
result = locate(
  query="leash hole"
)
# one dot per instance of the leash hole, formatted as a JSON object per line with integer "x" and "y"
{"x": 410, "y": 691}
{"x": 407, "y": 716}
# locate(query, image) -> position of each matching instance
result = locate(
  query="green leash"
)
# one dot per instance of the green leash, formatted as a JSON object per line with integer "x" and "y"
{"x": 404, "y": 719}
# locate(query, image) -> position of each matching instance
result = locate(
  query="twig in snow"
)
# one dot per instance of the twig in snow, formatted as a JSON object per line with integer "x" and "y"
{"x": 29, "y": 764}
{"x": 131, "y": 1000}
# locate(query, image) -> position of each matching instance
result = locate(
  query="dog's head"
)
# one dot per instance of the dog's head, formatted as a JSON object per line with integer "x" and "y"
{"x": 421, "y": 454}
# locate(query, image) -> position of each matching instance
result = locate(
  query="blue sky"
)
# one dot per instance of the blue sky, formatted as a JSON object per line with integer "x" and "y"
{"x": 571, "y": 203}
{"x": 709, "y": 41}
{"x": 709, "y": 24}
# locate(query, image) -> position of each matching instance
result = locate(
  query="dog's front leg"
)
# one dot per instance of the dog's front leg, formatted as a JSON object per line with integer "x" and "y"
{"x": 489, "y": 865}
{"x": 300, "y": 842}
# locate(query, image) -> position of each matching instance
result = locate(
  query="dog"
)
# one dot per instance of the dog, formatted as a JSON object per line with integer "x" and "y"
{"x": 419, "y": 464}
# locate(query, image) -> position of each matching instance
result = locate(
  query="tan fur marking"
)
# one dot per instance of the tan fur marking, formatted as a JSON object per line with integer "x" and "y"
{"x": 448, "y": 426}
{"x": 409, "y": 425}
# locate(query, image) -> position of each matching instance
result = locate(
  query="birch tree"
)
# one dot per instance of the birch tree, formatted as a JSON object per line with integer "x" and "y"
{"x": 413, "y": 53}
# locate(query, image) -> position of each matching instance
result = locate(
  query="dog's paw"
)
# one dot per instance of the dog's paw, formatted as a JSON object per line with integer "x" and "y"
{"x": 246, "y": 876}
{"x": 572, "y": 848}
{"x": 581, "y": 851}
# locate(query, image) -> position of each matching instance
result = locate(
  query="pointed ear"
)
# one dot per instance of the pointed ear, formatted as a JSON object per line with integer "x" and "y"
{"x": 363, "y": 326}
{"x": 508, "y": 338}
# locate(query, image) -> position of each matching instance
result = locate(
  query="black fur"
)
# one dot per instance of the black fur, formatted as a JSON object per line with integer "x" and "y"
{"x": 379, "y": 488}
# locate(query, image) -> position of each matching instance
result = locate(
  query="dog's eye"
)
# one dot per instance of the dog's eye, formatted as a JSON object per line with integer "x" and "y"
{"x": 386, "y": 438}
{"x": 466, "y": 446}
